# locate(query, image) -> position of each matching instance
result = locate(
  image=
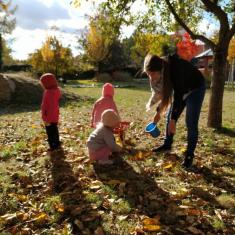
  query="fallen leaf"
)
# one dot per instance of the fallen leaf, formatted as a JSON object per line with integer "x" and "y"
{"x": 40, "y": 218}
{"x": 26, "y": 231}
{"x": 79, "y": 224}
{"x": 168, "y": 166}
{"x": 8, "y": 217}
{"x": 99, "y": 231}
{"x": 22, "y": 216}
{"x": 59, "y": 207}
{"x": 151, "y": 228}
{"x": 151, "y": 225}
{"x": 194, "y": 230}
{"x": 122, "y": 217}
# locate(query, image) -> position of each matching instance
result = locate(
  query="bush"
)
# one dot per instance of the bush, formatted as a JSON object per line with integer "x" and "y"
{"x": 89, "y": 74}
{"x": 121, "y": 76}
{"x": 103, "y": 77}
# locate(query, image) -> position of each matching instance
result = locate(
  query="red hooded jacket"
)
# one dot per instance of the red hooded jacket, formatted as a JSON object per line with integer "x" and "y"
{"x": 50, "y": 100}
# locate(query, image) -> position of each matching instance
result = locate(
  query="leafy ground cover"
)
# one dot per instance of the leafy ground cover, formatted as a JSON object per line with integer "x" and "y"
{"x": 142, "y": 193}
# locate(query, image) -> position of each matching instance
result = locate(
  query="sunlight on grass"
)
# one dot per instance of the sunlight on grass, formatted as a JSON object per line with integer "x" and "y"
{"x": 227, "y": 201}
{"x": 93, "y": 198}
{"x": 121, "y": 206}
{"x": 120, "y": 195}
{"x": 216, "y": 223}
{"x": 53, "y": 206}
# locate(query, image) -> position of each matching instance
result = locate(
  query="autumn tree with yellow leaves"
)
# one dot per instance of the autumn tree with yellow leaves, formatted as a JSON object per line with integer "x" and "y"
{"x": 52, "y": 57}
{"x": 231, "y": 50}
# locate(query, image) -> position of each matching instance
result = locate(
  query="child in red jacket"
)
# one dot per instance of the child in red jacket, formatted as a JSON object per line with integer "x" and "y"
{"x": 50, "y": 109}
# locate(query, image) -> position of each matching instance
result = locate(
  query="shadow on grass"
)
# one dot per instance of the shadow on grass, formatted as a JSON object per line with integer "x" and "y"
{"x": 217, "y": 180}
{"x": 226, "y": 131}
{"x": 77, "y": 211}
{"x": 142, "y": 193}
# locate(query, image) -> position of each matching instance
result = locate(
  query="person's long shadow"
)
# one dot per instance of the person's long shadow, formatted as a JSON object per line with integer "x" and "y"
{"x": 219, "y": 181}
{"x": 69, "y": 188}
{"x": 142, "y": 193}
{"x": 226, "y": 131}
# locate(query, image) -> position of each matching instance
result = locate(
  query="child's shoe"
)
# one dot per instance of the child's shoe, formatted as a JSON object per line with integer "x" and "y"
{"x": 105, "y": 162}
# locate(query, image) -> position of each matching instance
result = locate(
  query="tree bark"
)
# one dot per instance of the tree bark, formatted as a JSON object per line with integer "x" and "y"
{"x": 217, "y": 89}
{"x": 1, "y": 53}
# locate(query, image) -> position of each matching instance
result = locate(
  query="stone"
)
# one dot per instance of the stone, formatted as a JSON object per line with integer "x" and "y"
{"x": 7, "y": 87}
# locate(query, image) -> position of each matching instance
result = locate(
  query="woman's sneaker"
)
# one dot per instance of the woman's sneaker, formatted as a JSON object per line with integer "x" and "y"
{"x": 188, "y": 161}
{"x": 161, "y": 148}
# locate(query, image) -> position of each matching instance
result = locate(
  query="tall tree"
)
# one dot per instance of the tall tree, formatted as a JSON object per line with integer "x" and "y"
{"x": 154, "y": 43}
{"x": 6, "y": 53}
{"x": 188, "y": 14}
{"x": 231, "y": 50}
{"x": 7, "y": 23}
{"x": 52, "y": 57}
{"x": 101, "y": 37}
{"x": 98, "y": 46}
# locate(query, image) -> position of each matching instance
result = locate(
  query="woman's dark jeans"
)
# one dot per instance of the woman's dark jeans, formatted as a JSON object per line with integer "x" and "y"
{"x": 193, "y": 104}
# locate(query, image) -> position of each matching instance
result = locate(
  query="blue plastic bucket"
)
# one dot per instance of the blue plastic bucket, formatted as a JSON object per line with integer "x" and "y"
{"x": 152, "y": 129}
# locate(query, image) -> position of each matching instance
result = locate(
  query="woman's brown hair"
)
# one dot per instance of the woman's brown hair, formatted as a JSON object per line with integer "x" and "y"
{"x": 154, "y": 63}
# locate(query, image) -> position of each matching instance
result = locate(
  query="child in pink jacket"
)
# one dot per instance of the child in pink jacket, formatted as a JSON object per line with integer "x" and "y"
{"x": 104, "y": 102}
{"x": 50, "y": 109}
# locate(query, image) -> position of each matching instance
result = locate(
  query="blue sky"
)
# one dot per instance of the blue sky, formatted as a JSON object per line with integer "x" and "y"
{"x": 36, "y": 17}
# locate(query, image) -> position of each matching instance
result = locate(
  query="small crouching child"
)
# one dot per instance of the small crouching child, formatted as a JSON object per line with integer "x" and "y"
{"x": 101, "y": 142}
{"x": 50, "y": 109}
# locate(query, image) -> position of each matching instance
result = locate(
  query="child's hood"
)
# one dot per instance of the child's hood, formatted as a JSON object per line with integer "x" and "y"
{"x": 108, "y": 90}
{"x": 48, "y": 80}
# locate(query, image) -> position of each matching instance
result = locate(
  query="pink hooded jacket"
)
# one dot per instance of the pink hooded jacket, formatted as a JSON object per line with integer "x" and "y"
{"x": 103, "y": 103}
{"x": 50, "y": 100}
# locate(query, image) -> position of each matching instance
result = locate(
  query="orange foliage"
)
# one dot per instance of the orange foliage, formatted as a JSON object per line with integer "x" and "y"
{"x": 187, "y": 48}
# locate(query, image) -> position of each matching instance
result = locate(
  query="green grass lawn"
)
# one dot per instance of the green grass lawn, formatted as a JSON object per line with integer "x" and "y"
{"x": 142, "y": 193}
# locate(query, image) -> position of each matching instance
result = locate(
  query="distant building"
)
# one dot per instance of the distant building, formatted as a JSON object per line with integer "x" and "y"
{"x": 205, "y": 61}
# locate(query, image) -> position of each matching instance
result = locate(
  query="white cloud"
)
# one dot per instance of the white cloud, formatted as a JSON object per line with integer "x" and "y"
{"x": 27, "y": 41}
{"x": 34, "y": 14}
{"x": 36, "y": 17}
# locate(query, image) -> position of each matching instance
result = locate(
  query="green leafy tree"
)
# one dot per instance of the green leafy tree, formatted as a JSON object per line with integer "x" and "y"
{"x": 100, "y": 39}
{"x": 7, "y": 24}
{"x": 145, "y": 43}
{"x": 6, "y": 53}
{"x": 188, "y": 14}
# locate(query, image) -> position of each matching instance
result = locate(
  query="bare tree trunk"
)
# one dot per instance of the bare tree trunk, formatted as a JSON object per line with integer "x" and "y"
{"x": 217, "y": 90}
{"x": 1, "y": 53}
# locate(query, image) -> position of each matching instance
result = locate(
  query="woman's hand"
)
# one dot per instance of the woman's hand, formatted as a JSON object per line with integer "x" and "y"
{"x": 157, "y": 117}
{"x": 171, "y": 127}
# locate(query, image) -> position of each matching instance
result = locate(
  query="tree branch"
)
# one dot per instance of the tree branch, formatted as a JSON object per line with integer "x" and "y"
{"x": 191, "y": 33}
{"x": 232, "y": 31}
{"x": 221, "y": 15}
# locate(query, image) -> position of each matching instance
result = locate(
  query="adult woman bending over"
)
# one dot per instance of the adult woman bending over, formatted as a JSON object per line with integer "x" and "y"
{"x": 176, "y": 83}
